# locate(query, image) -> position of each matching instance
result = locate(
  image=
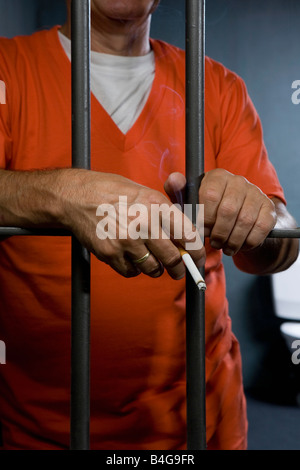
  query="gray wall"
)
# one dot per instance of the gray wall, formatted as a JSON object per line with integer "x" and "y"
{"x": 259, "y": 40}
{"x": 26, "y": 16}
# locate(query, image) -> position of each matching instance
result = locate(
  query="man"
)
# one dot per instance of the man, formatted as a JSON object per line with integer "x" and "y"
{"x": 137, "y": 312}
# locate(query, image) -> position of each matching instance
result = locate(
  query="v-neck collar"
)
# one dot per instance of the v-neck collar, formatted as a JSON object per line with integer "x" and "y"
{"x": 109, "y": 129}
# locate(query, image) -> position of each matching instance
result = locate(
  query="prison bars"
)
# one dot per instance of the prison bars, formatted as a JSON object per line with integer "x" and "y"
{"x": 81, "y": 158}
{"x": 195, "y": 299}
{"x": 195, "y": 331}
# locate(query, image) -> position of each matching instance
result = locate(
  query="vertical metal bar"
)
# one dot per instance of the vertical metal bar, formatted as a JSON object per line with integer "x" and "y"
{"x": 195, "y": 303}
{"x": 81, "y": 144}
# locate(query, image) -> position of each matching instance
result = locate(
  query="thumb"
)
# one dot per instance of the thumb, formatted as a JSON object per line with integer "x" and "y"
{"x": 175, "y": 187}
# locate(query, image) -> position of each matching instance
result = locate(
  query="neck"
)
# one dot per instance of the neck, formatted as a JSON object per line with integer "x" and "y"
{"x": 123, "y": 38}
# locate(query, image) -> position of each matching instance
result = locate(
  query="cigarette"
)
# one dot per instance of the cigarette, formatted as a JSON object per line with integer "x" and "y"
{"x": 192, "y": 268}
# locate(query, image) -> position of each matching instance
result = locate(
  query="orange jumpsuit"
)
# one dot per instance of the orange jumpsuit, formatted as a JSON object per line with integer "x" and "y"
{"x": 137, "y": 325}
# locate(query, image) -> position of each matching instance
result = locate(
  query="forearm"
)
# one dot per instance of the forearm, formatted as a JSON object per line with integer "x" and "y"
{"x": 275, "y": 254}
{"x": 31, "y": 198}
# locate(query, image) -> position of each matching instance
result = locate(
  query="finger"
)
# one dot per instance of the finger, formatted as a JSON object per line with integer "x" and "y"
{"x": 245, "y": 222}
{"x": 210, "y": 194}
{"x": 115, "y": 258}
{"x": 124, "y": 267}
{"x": 174, "y": 187}
{"x": 179, "y": 228}
{"x": 227, "y": 214}
{"x": 168, "y": 254}
{"x": 168, "y": 231}
{"x": 145, "y": 261}
{"x": 264, "y": 223}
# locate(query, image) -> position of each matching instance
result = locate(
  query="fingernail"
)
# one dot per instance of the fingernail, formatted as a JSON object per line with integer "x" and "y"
{"x": 179, "y": 276}
{"x": 229, "y": 252}
{"x": 157, "y": 272}
{"x": 215, "y": 245}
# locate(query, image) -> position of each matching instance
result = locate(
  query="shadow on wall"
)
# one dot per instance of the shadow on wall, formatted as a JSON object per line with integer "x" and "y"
{"x": 275, "y": 378}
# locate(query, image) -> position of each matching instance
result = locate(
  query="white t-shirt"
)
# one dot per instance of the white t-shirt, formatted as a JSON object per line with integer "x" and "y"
{"x": 121, "y": 84}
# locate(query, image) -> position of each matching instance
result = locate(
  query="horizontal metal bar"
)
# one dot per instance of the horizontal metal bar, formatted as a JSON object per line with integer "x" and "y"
{"x": 43, "y": 232}
{"x": 57, "y": 232}
{"x": 285, "y": 233}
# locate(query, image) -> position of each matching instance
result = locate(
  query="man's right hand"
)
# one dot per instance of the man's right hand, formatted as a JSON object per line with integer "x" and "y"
{"x": 71, "y": 199}
{"x": 87, "y": 191}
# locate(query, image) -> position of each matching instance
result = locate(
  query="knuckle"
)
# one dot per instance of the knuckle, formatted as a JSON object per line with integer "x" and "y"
{"x": 232, "y": 242}
{"x": 227, "y": 209}
{"x": 230, "y": 251}
{"x": 231, "y": 247}
{"x": 156, "y": 198}
{"x": 109, "y": 252}
{"x": 190, "y": 234}
{"x": 172, "y": 261}
{"x": 209, "y": 220}
{"x": 246, "y": 219}
{"x": 263, "y": 225}
{"x": 218, "y": 237}
{"x": 273, "y": 214}
{"x": 240, "y": 180}
{"x": 210, "y": 194}
{"x": 131, "y": 273}
{"x": 155, "y": 271}
{"x": 219, "y": 172}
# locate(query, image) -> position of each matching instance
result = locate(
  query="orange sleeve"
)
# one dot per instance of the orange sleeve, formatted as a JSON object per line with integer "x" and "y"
{"x": 5, "y": 104}
{"x": 242, "y": 150}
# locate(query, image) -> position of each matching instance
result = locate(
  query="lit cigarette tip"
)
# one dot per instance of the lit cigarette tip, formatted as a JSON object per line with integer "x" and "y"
{"x": 193, "y": 270}
{"x": 201, "y": 285}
